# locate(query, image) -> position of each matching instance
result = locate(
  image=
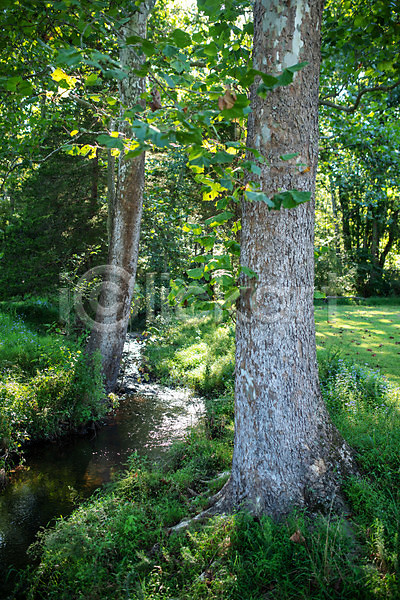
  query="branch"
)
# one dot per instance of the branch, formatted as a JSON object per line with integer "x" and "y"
{"x": 367, "y": 90}
{"x": 14, "y": 166}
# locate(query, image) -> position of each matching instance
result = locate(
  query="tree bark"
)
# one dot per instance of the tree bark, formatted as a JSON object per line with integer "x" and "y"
{"x": 393, "y": 234}
{"x": 125, "y": 213}
{"x": 286, "y": 451}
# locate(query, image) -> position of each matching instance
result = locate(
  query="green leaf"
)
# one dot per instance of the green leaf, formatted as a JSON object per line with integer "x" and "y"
{"x": 222, "y": 158}
{"x": 285, "y": 78}
{"x": 222, "y": 203}
{"x": 211, "y": 50}
{"x": 207, "y": 241}
{"x": 247, "y": 271}
{"x": 91, "y": 79}
{"x": 168, "y": 79}
{"x": 227, "y": 184}
{"x": 12, "y": 82}
{"x": 233, "y": 247}
{"x": 68, "y": 56}
{"x": 259, "y": 197}
{"x": 289, "y": 156}
{"x": 225, "y": 280}
{"x": 200, "y": 161}
{"x": 170, "y": 51}
{"x": 297, "y": 67}
{"x": 25, "y": 88}
{"x": 300, "y": 197}
{"x": 196, "y": 273}
{"x": 290, "y": 199}
{"x": 252, "y": 167}
{"x": 148, "y": 48}
{"x": 179, "y": 65}
{"x": 219, "y": 219}
{"x": 181, "y": 38}
{"x": 268, "y": 80}
{"x": 110, "y": 142}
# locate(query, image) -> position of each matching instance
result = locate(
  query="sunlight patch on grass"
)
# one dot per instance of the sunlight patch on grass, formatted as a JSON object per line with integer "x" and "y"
{"x": 366, "y": 335}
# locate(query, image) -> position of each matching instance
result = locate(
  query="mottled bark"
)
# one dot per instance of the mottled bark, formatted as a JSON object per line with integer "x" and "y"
{"x": 125, "y": 213}
{"x": 286, "y": 451}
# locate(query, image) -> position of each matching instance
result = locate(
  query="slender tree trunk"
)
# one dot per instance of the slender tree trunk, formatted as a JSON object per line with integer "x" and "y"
{"x": 344, "y": 205}
{"x": 286, "y": 450}
{"x": 393, "y": 232}
{"x": 110, "y": 193}
{"x": 125, "y": 213}
{"x": 95, "y": 184}
{"x": 335, "y": 215}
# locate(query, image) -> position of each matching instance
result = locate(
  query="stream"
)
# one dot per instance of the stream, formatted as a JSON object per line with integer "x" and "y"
{"x": 59, "y": 475}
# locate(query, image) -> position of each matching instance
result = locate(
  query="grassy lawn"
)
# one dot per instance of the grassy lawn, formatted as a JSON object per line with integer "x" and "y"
{"x": 365, "y": 334}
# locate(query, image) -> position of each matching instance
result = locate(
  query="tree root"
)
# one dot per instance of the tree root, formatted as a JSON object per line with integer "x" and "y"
{"x": 216, "y": 505}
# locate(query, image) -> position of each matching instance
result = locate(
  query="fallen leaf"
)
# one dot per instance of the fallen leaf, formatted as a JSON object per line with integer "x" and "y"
{"x": 297, "y": 538}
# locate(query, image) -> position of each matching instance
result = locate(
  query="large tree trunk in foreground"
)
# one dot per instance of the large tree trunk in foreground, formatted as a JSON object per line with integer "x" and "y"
{"x": 286, "y": 451}
{"x": 112, "y": 318}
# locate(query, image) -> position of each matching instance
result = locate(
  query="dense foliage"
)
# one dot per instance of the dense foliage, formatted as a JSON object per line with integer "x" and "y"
{"x": 47, "y": 385}
{"x": 60, "y": 141}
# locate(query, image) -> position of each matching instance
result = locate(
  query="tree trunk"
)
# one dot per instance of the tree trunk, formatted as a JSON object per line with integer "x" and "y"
{"x": 344, "y": 205}
{"x": 125, "y": 212}
{"x": 335, "y": 215}
{"x": 393, "y": 233}
{"x": 286, "y": 451}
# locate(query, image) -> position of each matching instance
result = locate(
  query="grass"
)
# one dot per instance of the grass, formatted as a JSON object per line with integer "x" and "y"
{"x": 367, "y": 335}
{"x": 198, "y": 353}
{"x": 119, "y": 543}
{"x": 47, "y": 386}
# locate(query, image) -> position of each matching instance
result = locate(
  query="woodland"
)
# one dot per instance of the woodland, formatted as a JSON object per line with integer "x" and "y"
{"x": 216, "y": 183}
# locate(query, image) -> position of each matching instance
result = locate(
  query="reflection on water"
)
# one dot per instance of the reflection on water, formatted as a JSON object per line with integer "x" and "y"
{"x": 61, "y": 474}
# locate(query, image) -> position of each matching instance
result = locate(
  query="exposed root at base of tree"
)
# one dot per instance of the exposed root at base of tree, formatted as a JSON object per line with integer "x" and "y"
{"x": 316, "y": 501}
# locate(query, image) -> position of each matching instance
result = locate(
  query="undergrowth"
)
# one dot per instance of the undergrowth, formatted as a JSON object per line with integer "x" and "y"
{"x": 120, "y": 544}
{"x": 194, "y": 352}
{"x": 47, "y": 386}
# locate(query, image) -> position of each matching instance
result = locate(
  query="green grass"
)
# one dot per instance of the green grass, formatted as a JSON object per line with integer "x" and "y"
{"x": 38, "y": 313}
{"x": 47, "y": 387}
{"x": 195, "y": 352}
{"x": 119, "y": 544}
{"x": 364, "y": 334}
{"x": 200, "y": 352}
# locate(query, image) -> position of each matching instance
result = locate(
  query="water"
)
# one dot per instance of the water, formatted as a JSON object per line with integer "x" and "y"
{"x": 60, "y": 475}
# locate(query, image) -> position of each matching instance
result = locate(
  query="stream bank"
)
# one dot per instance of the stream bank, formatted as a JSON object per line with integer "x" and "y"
{"x": 60, "y": 475}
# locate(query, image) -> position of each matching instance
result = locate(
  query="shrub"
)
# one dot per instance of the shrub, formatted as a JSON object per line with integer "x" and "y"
{"x": 46, "y": 388}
